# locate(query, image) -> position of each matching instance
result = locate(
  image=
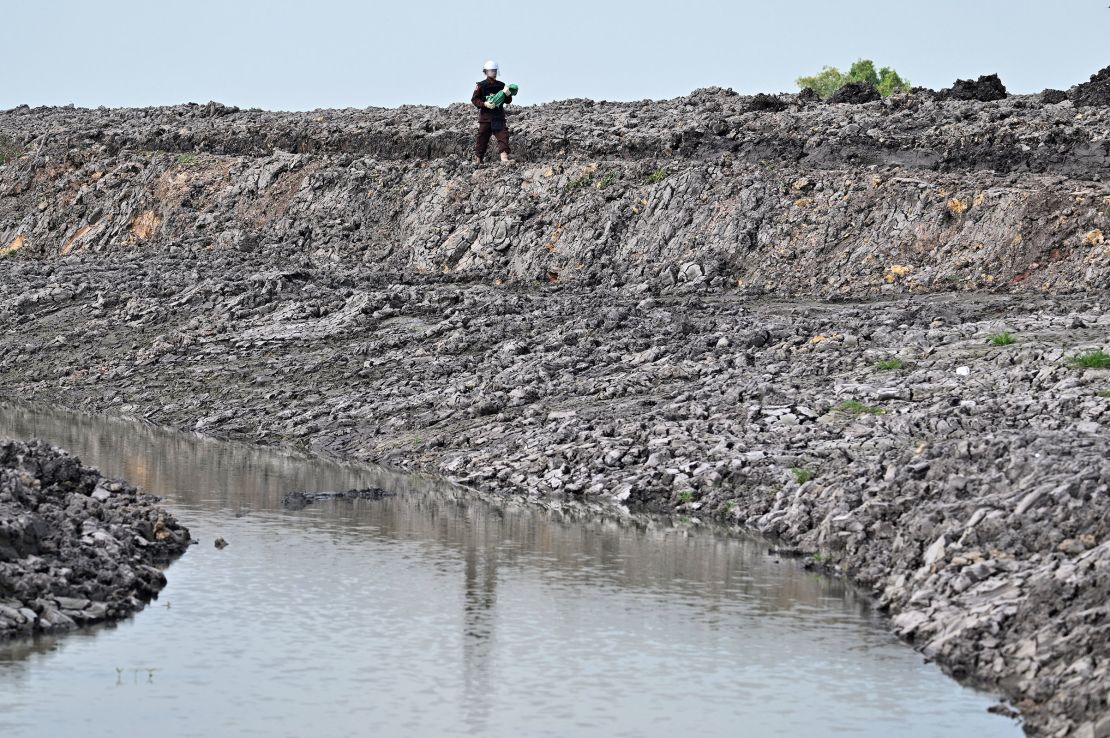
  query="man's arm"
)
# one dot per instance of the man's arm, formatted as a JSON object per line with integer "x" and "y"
{"x": 477, "y": 100}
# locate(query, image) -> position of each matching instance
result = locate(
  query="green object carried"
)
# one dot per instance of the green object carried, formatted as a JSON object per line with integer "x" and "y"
{"x": 498, "y": 98}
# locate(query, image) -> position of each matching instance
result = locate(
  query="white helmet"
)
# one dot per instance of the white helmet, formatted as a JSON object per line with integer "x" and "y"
{"x": 491, "y": 64}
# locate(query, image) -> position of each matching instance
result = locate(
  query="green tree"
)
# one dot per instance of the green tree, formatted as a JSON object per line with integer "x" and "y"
{"x": 890, "y": 82}
{"x": 824, "y": 83}
{"x": 831, "y": 79}
{"x": 864, "y": 71}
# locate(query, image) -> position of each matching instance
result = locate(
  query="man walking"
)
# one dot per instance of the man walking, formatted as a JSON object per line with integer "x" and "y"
{"x": 491, "y": 118}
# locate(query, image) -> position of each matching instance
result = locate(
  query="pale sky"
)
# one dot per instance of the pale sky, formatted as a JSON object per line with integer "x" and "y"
{"x": 296, "y": 55}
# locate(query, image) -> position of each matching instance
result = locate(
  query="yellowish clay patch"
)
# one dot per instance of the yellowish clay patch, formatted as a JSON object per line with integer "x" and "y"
{"x": 897, "y": 271}
{"x": 15, "y": 245}
{"x": 144, "y": 225}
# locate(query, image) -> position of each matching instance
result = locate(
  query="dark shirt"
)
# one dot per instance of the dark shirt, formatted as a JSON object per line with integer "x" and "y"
{"x": 484, "y": 89}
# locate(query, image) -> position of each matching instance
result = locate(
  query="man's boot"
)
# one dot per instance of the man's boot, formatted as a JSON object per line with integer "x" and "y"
{"x": 476, "y": 161}
{"x": 505, "y": 158}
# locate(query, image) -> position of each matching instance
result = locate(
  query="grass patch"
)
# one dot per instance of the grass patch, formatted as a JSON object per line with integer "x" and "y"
{"x": 1103, "y": 393}
{"x": 889, "y": 365}
{"x": 1005, "y": 338}
{"x": 579, "y": 182}
{"x": 8, "y": 150}
{"x": 801, "y": 474}
{"x": 187, "y": 159}
{"x": 657, "y": 176}
{"x": 855, "y": 407}
{"x": 1094, "y": 359}
{"x": 685, "y": 496}
{"x": 610, "y": 177}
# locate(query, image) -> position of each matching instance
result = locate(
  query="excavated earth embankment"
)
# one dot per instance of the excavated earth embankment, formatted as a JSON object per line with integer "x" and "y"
{"x": 75, "y": 548}
{"x": 868, "y": 331}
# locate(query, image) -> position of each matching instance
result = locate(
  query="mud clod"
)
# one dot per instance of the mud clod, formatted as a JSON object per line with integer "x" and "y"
{"x": 1094, "y": 92}
{"x": 1053, "y": 97}
{"x": 855, "y": 93}
{"x": 985, "y": 89}
{"x": 767, "y": 103}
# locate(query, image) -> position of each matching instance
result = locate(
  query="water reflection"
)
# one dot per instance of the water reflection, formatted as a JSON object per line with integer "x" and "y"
{"x": 196, "y": 471}
{"x": 434, "y": 612}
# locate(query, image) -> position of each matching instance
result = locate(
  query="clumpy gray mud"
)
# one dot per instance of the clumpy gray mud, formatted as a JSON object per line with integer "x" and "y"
{"x": 75, "y": 548}
{"x": 775, "y": 313}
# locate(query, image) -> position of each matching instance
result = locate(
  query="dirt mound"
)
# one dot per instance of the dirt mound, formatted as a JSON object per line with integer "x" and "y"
{"x": 1052, "y": 97}
{"x": 766, "y": 103}
{"x": 75, "y": 548}
{"x": 808, "y": 97}
{"x": 1094, "y": 92}
{"x": 985, "y": 89}
{"x": 855, "y": 93}
{"x": 218, "y": 110}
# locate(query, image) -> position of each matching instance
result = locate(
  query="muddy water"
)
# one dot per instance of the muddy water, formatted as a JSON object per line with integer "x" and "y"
{"x": 432, "y": 613}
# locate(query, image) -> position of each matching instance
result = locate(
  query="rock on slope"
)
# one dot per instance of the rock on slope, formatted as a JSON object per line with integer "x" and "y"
{"x": 75, "y": 548}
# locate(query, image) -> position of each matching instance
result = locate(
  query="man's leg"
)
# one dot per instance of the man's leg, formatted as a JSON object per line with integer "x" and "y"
{"x": 482, "y": 143}
{"x": 503, "y": 143}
